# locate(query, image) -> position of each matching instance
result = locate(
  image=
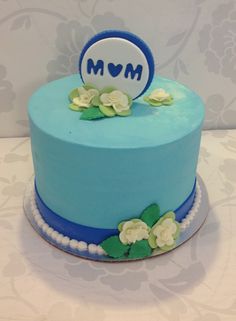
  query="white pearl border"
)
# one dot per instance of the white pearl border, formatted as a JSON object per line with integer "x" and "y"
{"x": 93, "y": 248}
{"x": 191, "y": 214}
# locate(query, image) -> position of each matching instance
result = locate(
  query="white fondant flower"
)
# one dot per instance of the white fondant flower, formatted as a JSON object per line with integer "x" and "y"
{"x": 133, "y": 230}
{"x": 85, "y": 97}
{"x": 116, "y": 99}
{"x": 159, "y": 95}
{"x": 165, "y": 231}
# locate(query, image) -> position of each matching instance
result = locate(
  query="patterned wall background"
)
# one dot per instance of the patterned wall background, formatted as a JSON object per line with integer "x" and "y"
{"x": 194, "y": 41}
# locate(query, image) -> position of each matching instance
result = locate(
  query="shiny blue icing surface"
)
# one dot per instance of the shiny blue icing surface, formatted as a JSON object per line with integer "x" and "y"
{"x": 98, "y": 173}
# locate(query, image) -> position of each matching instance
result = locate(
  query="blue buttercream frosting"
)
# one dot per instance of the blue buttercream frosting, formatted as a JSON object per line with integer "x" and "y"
{"x": 98, "y": 173}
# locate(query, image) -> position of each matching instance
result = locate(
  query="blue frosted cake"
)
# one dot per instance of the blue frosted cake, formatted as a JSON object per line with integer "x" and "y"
{"x": 115, "y": 169}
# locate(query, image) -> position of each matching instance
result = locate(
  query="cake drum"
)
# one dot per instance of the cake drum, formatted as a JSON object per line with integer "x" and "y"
{"x": 194, "y": 225}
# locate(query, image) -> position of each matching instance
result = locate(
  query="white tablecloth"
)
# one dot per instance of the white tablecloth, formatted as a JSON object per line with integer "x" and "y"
{"x": 196, "y": 282}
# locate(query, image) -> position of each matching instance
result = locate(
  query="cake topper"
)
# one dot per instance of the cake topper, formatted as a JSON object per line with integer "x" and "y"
{"x": 118, "y": 59}
{"x": 116, "y": 67}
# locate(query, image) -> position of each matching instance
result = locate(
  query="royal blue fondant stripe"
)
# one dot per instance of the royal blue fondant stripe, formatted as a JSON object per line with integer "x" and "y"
{"x": 72, "y": 230}
{"x": 90, "y": 234}
{"x": 184, "y": 208}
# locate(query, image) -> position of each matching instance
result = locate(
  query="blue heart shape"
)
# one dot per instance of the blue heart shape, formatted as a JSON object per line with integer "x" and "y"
{"x": 114, "y": 70}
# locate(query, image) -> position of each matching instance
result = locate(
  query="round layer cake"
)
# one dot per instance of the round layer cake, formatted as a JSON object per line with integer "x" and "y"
{"x": 91, "y": 175}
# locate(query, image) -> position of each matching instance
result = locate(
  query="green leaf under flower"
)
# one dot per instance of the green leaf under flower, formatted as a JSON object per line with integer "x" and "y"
{"x": 124, "y": 113}
{"x": 167, "y": 247}
{"x": 151, "y": 214}
{"x": 73, "y": 94}
{"x": 120, "y": 226}
{"x": 91, "y": 114}
{"x": 107, "y": 90}
{"x": 130, "y": 100}
{"x": 114, "y": 248}
{"x": 107, "y": 110}
{"x": 168, "y": 101}
{"x": 169, "y": 214}
{"x": 101, "y": 111}
{"x": 139, "y": 250}
{"x": 88, "y": 86}
{"x": 155, "y": 103}
{"x": 75, "y": 107}
{"x": 96, "y": 101}
{"x": 152, "y": 241}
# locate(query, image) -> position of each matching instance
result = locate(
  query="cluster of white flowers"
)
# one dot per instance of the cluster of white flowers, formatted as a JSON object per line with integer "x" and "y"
{"x": 164, "y": 232}
{"x": 115, "y": 99}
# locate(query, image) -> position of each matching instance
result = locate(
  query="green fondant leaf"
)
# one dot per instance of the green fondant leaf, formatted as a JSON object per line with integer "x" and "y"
{"x": 166, "y": 248}
{"x": 124, "y": 113}
{"x": 130, "y": 100}
{"x": 169, "y": 214}
{"x": 139, "y": 250}
{"x": 168, "y": 101}
{"x": 155, "y": 103}
{"x": 152, "y": 241}
{"x": 91, "y": 114}
{"x": 96, "y": 101}
{"x": 107, "y": 110}
{"x": 74, "y": 93}
{"x": 114, "y": 248}
{"x": 177, "y": 233}
{"x": 120, "y": 226}
{"x": 135, "y": 220}
{"x": 75, "y": 107}
{"x": 107, "y": 90}
{"x": 88, "y": 86}
{"x": 151, "y": 214}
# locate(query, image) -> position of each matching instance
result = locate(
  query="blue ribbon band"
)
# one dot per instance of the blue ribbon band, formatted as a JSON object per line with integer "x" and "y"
{"x": 91, "y": 234}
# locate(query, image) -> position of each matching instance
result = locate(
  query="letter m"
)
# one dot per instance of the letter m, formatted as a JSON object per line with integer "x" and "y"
{"x": 99, "y": 66}
{"x": 129, "y": 70}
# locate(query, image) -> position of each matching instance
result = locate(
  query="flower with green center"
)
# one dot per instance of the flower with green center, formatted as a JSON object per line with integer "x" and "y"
{"x": 164, "y": 233}
{"x": 159, "y": 97}
{"x": 85, "y": 97}
{"x": 132, "y": 231}
{"x": 159, "y": 94}
{"x": 115, "y": 99}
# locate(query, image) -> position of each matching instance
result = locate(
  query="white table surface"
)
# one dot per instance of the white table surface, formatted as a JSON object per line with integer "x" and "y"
{"x": 196, "y": 282}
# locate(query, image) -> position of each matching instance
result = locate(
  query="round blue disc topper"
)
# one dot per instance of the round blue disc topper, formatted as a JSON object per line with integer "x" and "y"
{"x": 117, "y": 59}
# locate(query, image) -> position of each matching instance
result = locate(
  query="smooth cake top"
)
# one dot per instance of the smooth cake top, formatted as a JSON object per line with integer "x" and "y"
{"x": 147, "y": 126}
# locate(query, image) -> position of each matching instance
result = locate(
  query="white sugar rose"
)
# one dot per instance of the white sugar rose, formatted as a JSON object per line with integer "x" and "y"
{"x": 116, "y": 99}
{"x": 165, "y": 232}
{"x": 85, "y": 97}
{"x": 159, "y": 95}
{"x": 133, "y": 230}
